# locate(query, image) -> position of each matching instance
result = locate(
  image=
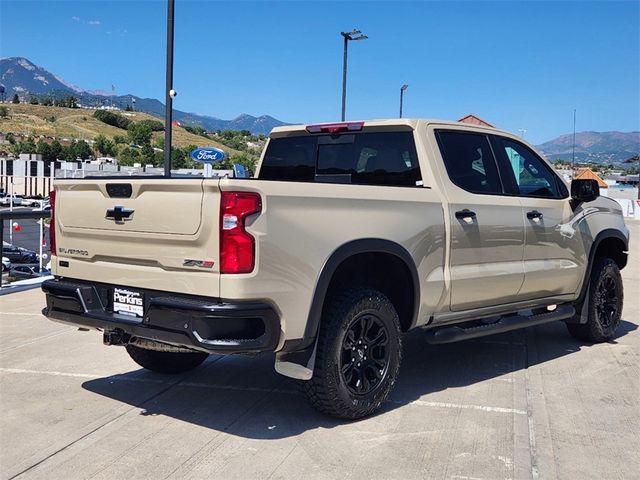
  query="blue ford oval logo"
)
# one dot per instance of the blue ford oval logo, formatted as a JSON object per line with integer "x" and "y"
{"x": 208, "y": 155}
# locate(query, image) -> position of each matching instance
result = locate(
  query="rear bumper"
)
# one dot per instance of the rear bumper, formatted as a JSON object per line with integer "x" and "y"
{"x": 206, "y": 324}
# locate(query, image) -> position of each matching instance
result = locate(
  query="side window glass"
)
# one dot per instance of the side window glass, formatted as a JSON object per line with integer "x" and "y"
{"x": 533, "y": 178}
{"x": 469, "y": 161}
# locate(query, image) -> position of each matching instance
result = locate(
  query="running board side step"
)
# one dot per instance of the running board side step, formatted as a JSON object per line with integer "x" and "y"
{"x": 505, "y": 324}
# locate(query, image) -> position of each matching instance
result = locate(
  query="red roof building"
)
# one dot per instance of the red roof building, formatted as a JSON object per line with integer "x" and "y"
{"x": 475, "y": 120}
{"x": 588, "y": 174}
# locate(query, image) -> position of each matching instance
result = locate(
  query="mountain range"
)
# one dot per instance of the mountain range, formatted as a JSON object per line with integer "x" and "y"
{"x": 598, "y": 147}
{"x": 21, "y": 76}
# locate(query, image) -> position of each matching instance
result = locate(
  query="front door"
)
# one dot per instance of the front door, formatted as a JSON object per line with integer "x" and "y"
{"x": 554, "y": 251}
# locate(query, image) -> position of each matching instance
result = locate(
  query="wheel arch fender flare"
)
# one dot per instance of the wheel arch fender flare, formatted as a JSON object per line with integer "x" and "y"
{"x": 342, "y": 253}
{"x": 600, "y": 237}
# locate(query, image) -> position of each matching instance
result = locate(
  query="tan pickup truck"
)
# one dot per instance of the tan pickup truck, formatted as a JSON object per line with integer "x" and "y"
{"x": 349, "y": 235}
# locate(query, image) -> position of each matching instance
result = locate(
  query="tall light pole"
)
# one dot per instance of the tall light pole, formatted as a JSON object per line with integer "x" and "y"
{"x": 170, "y": 91}
{"x": 402, "y": 89}
{"x": 348, "y": 36}
{"x": 573, "y": 155}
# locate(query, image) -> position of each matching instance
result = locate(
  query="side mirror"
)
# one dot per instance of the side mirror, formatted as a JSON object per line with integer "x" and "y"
{"x": 585, "y": 190}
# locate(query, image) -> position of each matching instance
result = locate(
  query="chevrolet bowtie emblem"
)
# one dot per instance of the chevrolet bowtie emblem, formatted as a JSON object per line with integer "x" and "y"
{"x": 119, "y": 214}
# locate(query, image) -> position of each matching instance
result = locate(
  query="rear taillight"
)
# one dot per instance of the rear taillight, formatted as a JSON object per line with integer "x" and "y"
{"x": 52, "y": 223}
{"x": 237, "y": 246}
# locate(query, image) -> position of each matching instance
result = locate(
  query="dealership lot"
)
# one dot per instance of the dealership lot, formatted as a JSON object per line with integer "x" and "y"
{"x": 527, "y": 404}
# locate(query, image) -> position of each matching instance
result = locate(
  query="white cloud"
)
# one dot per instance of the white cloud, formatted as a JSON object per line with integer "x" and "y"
{"x": 94, "y": 22}
{"x": 75, "y": 19}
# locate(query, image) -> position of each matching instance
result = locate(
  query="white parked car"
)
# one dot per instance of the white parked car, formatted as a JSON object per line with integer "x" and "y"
{"x": 5, "y": 200}
{"x": 6, "y": 264}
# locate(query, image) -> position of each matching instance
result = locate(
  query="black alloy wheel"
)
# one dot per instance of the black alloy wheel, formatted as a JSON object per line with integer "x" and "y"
{"x": 606, "y": 300}
{"x": 365, "y": 356}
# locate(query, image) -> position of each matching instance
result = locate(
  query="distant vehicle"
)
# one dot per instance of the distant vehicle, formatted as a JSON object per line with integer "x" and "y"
{"x": 45, "y": 206}
{"x": 6, "y": 264}
{"x": 22, "y": 272}
{"x": 18, "y": 254}
{"x": 5, "y": 200}
{"x": 32, "y": 202}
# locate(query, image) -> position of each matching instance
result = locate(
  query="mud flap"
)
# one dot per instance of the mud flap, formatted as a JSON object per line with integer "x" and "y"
{"x": 298, "y": 365}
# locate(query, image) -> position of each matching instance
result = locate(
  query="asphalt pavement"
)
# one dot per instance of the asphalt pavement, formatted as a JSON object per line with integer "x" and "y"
{"x": 530, "y": 404}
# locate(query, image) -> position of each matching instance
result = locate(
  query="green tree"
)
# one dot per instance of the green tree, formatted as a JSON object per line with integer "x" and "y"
{"x": 147, "y": 155}
{"x": 44, "y": 149}
{"x": 139, "y": 133}
{"x": 155, "y": 125}
{"x": 71, "y": 102}
{"x": 10, "y": 138}
{"x": 4, "y": 111}
{"x": 104, "y": 146}
{"x": 247, "y": 161}
{"x": 197, "y": 130}
{"x": 111, "y": 118}
{"x": 119, "y": 139}
{"x": 158, "y": 143}
{"x": 67, "y": 153}
{"x": 15, "y": 98}
{"x": 34, "y": 101}
{"x": 56, "y": 150}
{"x": 81, "y": 149}
{"x": 25, "y": 146}
{"x": 128, "y": 156}
{"x": 47, "y": 102}
{"x": 178, "y": 158}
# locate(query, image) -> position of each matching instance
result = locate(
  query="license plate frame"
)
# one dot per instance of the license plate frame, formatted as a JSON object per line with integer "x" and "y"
{"x": 128, "y": 302}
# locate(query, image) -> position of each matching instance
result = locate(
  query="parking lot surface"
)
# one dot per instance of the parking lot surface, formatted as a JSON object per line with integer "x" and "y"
{"x": 528, "y": 404}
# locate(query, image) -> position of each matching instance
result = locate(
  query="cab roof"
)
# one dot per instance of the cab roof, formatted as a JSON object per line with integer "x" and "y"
{"x": 412, "y": 123}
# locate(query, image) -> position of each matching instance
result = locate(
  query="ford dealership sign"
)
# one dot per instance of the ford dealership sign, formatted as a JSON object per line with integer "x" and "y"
{"x": 208, "y": 155}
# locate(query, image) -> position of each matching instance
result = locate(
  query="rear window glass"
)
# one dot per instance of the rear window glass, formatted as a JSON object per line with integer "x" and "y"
{"x": 387, "y": 159}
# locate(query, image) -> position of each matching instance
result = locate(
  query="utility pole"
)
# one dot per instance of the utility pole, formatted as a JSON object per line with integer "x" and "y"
{"x": 170, "y": 93}
{"x": 402, "y": 89}
{"x": 348, "y": 36}
{"x": 573, "y": 154}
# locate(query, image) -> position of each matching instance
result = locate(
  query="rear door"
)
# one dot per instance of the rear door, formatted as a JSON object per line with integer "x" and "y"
{"x": 160, "y": 234}
{"x": 554, "y": 251}
{"x": 487, "y": 229}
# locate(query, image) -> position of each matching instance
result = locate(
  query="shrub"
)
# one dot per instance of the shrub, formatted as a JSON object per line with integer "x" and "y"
{"x": 113, "y": 119}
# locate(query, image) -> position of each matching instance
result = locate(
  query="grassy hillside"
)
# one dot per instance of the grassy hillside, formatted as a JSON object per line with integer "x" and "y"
{"x": 75, "y": 123}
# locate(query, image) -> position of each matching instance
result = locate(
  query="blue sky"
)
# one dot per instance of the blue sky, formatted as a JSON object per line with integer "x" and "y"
{"x": 520, "y": 65}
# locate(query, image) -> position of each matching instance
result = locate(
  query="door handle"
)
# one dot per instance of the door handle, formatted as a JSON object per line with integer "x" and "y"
{"x": 466, "y": 215}
{"x": 534, "y": 214}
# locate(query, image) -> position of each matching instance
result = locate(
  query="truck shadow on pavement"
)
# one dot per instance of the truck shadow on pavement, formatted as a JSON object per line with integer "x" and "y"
{"x": 243, "y": 396}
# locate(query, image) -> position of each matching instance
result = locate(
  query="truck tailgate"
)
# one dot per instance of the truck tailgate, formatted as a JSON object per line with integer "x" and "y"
{"x": 159, "y": 234}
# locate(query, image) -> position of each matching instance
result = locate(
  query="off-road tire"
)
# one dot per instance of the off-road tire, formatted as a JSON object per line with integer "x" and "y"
{"x": 331, "y": 390}
{"x": 166, "y": 362}
{"x": 605, "y": 284}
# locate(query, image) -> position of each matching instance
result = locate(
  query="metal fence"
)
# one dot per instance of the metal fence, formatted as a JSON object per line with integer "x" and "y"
{"x": 7, "y": 220}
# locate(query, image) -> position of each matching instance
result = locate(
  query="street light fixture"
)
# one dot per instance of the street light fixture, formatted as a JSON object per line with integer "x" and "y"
{"x": 348, "y": 36}
{"x": 402, "y": 89}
